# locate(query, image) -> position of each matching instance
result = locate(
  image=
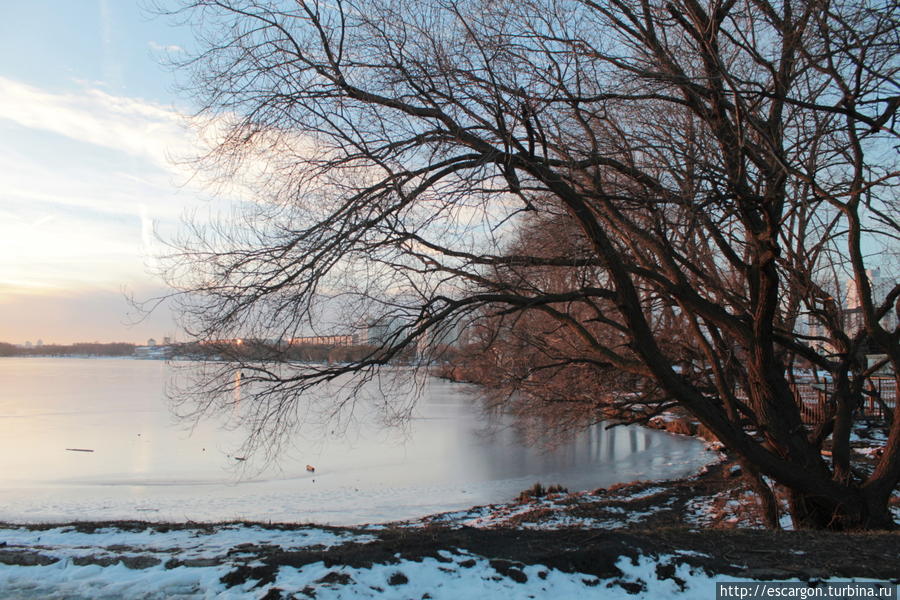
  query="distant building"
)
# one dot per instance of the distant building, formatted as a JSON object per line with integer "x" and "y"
{"x": 151, "y": 342}
{"x": 880, "y": 287}
{"x": 885, "y": 371}
{"x": 324, "y": 340}
{"x": 851, "y": 308}
{"x": 153, "y": 352}
{"x": 376, "y": 331}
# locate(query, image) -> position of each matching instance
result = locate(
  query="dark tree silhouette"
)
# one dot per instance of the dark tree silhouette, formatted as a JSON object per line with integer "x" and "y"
{"x": 711, "y": 173}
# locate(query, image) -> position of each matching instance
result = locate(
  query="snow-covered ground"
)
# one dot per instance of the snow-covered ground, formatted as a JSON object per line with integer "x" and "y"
{"x": 135, "y": 560}
{"x": 457, "y": 575}
{"x": 555, "y": 511}
{"x": 182, "y": 543}
{"x": 109, "y": 562}
{"x": 219, "y": 563}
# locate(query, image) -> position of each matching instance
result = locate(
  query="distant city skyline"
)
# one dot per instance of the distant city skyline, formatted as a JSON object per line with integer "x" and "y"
{"x": 88, "y": 128}
{"x": 39, "y": 342}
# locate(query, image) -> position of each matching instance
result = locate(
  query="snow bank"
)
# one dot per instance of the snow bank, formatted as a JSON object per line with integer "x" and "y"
{"x": 452, "y": 575}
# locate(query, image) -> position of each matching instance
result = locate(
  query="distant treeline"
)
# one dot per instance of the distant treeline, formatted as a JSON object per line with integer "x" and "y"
{"x": 246, "y": 350}
{"x": 79, "y": 349}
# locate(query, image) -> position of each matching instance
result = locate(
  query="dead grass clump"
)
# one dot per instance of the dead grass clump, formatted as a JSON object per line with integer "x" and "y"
{"x": 539, "y": 491}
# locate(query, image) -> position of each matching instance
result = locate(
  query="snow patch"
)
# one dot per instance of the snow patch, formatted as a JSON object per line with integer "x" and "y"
{"x": 456, "y": 574}
{"x": 66, "y": 543}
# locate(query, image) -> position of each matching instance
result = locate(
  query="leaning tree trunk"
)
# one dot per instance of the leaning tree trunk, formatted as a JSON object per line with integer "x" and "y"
{"x": 819, "y": 497}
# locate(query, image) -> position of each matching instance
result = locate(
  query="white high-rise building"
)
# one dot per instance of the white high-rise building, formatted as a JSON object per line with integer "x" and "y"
{"x": 880, "y": 286}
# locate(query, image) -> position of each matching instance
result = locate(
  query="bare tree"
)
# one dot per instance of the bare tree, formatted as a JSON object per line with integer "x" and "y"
{"x": 533, "y": 364}
{"x": 707, "y": 162}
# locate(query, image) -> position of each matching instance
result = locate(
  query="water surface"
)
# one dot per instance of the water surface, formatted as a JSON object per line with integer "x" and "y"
{"x": 147, "y": 465}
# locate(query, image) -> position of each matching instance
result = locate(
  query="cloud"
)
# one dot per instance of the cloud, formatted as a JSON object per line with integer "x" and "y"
{"x": 136, "y": 127}
{"x": 169, "y": 48}
{"x": 87, "y": 177}
{"x": 86, "y": 173}
{"x": 146, "y": 131}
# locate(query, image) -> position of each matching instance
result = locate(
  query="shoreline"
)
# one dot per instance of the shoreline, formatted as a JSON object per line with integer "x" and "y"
{"x": 713, "y": 496}
{"x": 622, "y": 540}
{"x": 659, "y": 538}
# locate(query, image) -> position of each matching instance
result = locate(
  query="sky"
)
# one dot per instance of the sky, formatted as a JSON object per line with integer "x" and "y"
{"x": 89, "y": 128}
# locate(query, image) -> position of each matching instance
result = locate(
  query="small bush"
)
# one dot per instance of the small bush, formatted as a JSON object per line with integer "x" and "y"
{"x": 539, "y": 491}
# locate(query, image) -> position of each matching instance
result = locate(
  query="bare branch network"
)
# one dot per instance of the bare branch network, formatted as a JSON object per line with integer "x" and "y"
{"x": 618, "y": 206}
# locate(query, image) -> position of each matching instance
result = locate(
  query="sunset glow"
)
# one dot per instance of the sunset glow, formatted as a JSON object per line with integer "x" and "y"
{"x": 89, "y": 140}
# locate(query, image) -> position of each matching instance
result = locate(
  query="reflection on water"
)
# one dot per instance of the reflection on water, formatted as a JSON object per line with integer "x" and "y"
{"x": 145, "y": 465}
{"x": 596, "y": 445}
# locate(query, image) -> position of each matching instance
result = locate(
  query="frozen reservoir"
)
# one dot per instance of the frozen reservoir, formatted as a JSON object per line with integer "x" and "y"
{"x": 145, "y": 464}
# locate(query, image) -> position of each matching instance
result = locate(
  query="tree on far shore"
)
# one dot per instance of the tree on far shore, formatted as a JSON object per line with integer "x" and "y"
{"x": 671, "y": 191}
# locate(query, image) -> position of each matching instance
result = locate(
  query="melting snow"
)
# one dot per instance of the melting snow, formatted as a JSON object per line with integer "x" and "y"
{"x": 456, "y": 574}
{"x": 66, "y": 542}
